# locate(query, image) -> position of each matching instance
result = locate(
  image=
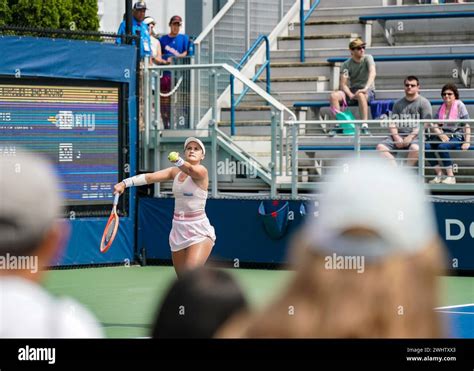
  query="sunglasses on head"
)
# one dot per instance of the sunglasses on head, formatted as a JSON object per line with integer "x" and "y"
{"x": 446, "y": 94}
{"x": 410, "y": 85}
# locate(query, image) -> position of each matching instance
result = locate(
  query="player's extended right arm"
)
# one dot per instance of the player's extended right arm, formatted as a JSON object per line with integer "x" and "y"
{"x": 143, "y": 179}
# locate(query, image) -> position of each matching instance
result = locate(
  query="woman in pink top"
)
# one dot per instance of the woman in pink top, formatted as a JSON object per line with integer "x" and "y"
{"x": 452, "y": 134}
{"x": 192, "y": 236}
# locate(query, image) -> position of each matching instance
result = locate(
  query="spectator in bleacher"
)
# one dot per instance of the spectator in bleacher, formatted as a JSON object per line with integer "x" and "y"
{"x": 173, "y": 45}
{"x": 356, "y": 82}
{"x": 450, "y": 133}
{"x": 139, "y": 28}
{"x": 367, "y": 266}
{"x": 404, "y": 129}
{"x": 31, "y": 238}
{"x": 197, "y": 304}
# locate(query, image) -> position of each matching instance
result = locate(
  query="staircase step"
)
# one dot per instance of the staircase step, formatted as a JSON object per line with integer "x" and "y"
{"x": 320, "y": 37}
{"x": 349, "y": 11}
{"x": 319, "y": 27}
{"x": 283, "y": 84}
{"x": 355, "y": 3}
{"x": 245, "y": 123}
{"x": 243, "y": 108}
{"x": 419, "y": 38}
{"x": 247, "y": 128}
{"x": 255, "y": 147}
{"x": 318, "y": 41}
{"x": 285, "y": 98}
{"x": 322, "y": 54}
{"x": 297, "y": 69}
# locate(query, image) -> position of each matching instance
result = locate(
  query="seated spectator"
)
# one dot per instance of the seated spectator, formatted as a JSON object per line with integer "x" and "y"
{"x": 173, "y": 45}
{"x": 366, "y": 267}
{"x": 139, "y": 28}
{"x": 449, "y": 132}
{"x": 357, "y": 82}
{"x": 404, "y": 130}
{"x": 31, "y": 236}
{"x": 196, "y": 305}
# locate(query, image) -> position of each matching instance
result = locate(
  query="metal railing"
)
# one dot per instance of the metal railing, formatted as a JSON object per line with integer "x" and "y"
{"x": 153, "y": 131}
{"x": 228, "y": 36}
{"x": 303, "y": 18}
{"x": 311, "y": 153}
{"x": 265, "y": 66}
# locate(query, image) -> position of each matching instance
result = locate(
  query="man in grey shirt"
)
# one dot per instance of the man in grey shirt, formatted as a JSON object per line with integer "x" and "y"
{"x": 357, "y": 82}
{"x": 404, "y": 132}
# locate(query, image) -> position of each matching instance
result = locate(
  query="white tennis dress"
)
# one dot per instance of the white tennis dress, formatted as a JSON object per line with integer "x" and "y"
{"x": 190, "y": 223}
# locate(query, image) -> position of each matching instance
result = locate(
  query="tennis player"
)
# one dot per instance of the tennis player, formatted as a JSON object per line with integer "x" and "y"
{"x": 192, "y": 236}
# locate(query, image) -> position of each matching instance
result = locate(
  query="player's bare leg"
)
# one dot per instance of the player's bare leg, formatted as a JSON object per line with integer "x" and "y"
{"x": 179, "y": 261}
{"x": 198, "y": 254}
{"x": 192, "y": 257}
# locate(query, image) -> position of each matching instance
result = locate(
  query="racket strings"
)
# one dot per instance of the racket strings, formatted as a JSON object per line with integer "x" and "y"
{"x": 110, "y": 230}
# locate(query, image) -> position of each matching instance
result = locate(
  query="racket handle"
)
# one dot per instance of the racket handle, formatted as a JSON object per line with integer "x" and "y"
{"x": 116, "y": 199}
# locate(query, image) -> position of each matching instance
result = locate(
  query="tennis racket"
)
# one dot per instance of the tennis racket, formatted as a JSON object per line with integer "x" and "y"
{"x": 111, "y": 227}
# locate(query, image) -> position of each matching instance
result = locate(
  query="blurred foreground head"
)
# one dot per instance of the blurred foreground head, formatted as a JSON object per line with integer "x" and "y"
{"x": 367, "y": 266}
{"x": 30, "y": 204}
{"x": 198, "y": 304}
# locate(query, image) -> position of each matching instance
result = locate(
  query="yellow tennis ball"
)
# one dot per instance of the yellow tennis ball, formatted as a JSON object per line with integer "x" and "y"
{"x": 173, "y": 156}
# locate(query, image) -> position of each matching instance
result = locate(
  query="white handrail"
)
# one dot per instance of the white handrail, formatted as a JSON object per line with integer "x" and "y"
{"x": 237, "y": 74}
{"x": 257, "y": 89}
{"x": 214, "y": 21}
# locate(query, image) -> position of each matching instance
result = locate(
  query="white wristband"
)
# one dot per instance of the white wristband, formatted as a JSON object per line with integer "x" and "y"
{"x": 179, "y": 162}
{"x": 137, "y": 180}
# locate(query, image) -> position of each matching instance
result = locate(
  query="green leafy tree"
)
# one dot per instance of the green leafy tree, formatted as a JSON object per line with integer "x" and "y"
{"x": 5, "y": 14}
{"x": 85, "y": 15}
{"x": 57, "y": 14}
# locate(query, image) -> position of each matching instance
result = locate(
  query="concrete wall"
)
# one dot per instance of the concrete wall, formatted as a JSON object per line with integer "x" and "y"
{"x": 111, "y": 13}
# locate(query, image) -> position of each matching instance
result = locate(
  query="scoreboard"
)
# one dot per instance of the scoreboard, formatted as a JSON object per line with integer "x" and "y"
{"x": 76, "y": 127}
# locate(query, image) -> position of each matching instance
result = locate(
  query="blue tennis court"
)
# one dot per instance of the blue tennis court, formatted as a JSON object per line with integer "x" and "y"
{"x": 460, "y": 320}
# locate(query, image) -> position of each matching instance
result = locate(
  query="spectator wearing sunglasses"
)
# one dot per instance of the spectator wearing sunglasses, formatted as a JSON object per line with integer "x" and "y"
{"x": 356, "y": 82}
{"x": 448, "y": 135}
{"x": 403, "y": 123}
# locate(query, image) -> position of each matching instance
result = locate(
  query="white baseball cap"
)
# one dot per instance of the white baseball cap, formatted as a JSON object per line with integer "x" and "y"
{"x": 371, "y": 193}
{"x": 193, "y": 139}
{"x": 29, "y": 200}
{"x": 149, "y": 20}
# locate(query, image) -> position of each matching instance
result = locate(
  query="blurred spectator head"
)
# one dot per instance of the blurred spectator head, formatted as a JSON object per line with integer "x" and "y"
{"x": 198, "y": 304}
{"x": 366, "y": 266}
{"x": 30, "y": 206}
{"x": 32, "y": 236}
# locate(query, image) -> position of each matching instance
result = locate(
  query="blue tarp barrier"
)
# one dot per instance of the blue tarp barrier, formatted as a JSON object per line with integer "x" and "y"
{"x": 30, "y": 57}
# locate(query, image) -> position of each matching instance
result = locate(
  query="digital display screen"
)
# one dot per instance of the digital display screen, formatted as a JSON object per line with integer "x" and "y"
{"x": 76, "y": 127}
